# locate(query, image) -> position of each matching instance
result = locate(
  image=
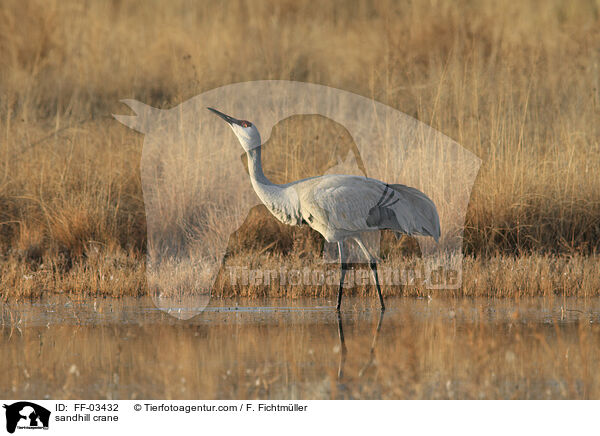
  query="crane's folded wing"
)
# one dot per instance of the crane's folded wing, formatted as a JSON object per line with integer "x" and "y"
{"x": 355, "y": 203}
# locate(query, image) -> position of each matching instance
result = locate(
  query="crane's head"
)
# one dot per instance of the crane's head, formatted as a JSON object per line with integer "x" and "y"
{"x": 246, "y": 132}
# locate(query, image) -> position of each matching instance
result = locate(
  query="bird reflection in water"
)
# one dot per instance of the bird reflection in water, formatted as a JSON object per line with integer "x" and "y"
{"x": 344, "y": 349}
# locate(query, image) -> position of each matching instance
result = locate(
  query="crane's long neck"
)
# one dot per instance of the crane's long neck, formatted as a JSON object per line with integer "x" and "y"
{"x": 281, "y": 201}
{"x": 255, "y": 169}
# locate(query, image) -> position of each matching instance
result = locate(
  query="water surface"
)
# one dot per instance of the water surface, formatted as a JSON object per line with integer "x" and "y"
{"x": 420, "y": 348}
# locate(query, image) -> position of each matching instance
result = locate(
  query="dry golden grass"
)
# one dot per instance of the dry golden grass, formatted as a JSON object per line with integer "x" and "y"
{"x": 516, "y": 83}
{"x": 114, "y": 275}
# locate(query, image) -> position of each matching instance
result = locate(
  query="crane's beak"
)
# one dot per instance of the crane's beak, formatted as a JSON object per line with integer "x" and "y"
{"x": 227, "y": 118}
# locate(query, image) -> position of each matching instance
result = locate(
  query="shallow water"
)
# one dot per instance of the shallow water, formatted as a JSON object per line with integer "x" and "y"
{"x": 420, "y": 348}
{"x": 103, "y": 311}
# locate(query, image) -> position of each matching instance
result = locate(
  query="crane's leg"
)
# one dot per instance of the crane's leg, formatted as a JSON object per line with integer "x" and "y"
{"x": 343, "y": 267}
{"x": 373, "y": 264}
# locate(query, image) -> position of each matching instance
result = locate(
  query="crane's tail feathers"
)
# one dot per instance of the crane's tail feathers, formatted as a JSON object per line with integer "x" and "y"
{"x": 426, "y": 220}
{"x": 400, "y": 234}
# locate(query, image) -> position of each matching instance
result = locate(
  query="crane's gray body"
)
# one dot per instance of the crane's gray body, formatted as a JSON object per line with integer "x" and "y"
{"x": 344, "y": 206}
{"x": 341, "y": 207}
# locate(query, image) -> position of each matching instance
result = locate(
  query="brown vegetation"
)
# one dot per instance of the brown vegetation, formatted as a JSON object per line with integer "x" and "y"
{"x": 516, "y": 83}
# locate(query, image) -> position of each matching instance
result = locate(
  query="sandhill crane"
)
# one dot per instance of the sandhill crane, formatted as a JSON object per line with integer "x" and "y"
{"x": 339, "y": 207}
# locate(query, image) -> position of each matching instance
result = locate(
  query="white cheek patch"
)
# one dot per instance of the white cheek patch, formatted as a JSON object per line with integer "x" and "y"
{"x": 248, "y": 137}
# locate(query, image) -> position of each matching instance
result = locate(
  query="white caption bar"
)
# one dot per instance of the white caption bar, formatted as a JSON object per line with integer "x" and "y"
{"x": 297, "y": 417}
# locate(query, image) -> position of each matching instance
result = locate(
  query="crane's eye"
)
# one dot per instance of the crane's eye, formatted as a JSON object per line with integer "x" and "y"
{"x": 245, "y": 123}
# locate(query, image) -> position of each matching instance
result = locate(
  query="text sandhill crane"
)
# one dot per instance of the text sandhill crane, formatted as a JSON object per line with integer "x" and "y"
{"x": 339, "y": 207}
